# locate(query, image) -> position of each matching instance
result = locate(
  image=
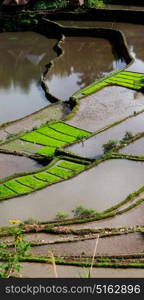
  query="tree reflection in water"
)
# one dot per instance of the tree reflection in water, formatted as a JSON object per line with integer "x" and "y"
{"x": 23, "y": 57}
{"x": 85, "y": 59}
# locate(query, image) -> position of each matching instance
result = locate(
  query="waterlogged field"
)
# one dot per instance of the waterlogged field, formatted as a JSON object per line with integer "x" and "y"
{"x": 23, "y": 58}
{"x": 69, "y": 197}
{"x": 99, "y": 188}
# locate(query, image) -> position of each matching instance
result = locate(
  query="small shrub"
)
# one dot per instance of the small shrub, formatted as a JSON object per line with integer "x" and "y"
{"x": 61, "y": 215}
{"x": 94, "y": 3}
{"x": 12, "y": 259}
{"x": 110, "y": 145}
{"x": 128, "y": 136}
{"x": 44, "y": 4}
{"x": 81, "y": 211}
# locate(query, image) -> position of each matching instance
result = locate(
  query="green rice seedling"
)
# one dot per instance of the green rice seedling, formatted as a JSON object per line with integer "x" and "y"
{"x": 47, "y": 177}
{"x": 92, "y": 89}
{"x": 68, "y": 129}
{"x": 48, "y": 151}
{"x": 132, "y": 74}
{"x": 17, "y": 187}
{"x": 5, "y": 192}
{"x": 31, "y": 182}
{"x": 38, "y": 138}
{"x": 62, "y": 173}
{"x": 55, "y": 134}
{"x": 71, "y": 165}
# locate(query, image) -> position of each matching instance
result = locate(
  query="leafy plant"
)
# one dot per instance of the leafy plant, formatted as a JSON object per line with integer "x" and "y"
{"x": 94, "y": 3}
{"x": 81, "y": 211}
{"x": 44, "y": 4}
{"x": 110, "y": 145}
{"x": 12, "y": 258}
{"x": 61, "y": 215}
{"x": 128, "y": 136}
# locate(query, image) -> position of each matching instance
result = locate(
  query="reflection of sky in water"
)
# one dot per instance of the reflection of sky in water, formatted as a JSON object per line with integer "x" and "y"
{"x": 20, "y": 102}
{"x": 118, "y": 64}
{"x": 64, "y": 86}
{"x": 23, "y": 57}
{"x": 138, "y": 64}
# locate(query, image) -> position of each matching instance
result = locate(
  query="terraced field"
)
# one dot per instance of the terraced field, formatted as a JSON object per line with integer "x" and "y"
{"x": 81, "y": 196}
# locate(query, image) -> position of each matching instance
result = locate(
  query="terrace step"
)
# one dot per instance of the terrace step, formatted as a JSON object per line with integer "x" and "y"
{"x": 132, "y": 80}
{"x": 62, "y": 169}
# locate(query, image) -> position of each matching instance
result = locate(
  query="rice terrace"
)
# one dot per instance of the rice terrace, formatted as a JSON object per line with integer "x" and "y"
{"x": 72, "y": 138}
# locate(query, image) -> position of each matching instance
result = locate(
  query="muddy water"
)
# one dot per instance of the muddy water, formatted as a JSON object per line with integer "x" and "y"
{"x": 134, "y": 148}
{"x": 92, "y": 147}
{"x": 132, "y": 32}
{"x": 99, "y": 188}
{"x": 10, "y": 164}
{"x": 123, "y": 7}
{"x": 85, "y": 59}
{"x": 123, "y": 244}
{"x": 38, "y": 270}
{"x": 23, "y": 57}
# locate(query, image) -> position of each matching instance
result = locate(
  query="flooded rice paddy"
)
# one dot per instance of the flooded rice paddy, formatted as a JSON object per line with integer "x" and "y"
{"x": 132, "y": 217}
{"x": 84, "y": 60}
{"x": 23, "y": 57}
{"x": 123, "y": 244}
{"x": 132, "y": 32}
{"x": 30, "y": 270}
{"x": 108, "y": 105}
{"x": 10, "y": 164}
{"x": 41, "y": 270}
{"x": 99, "y": 188}
{"x": 93, "y": 146}
{"x": 136, "y": 148}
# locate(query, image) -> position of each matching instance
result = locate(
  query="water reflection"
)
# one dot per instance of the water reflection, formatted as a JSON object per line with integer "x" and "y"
{"x": 85, "y": 59}
{"x": 23, "y": 57}
{"x": 132, "y": 32}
